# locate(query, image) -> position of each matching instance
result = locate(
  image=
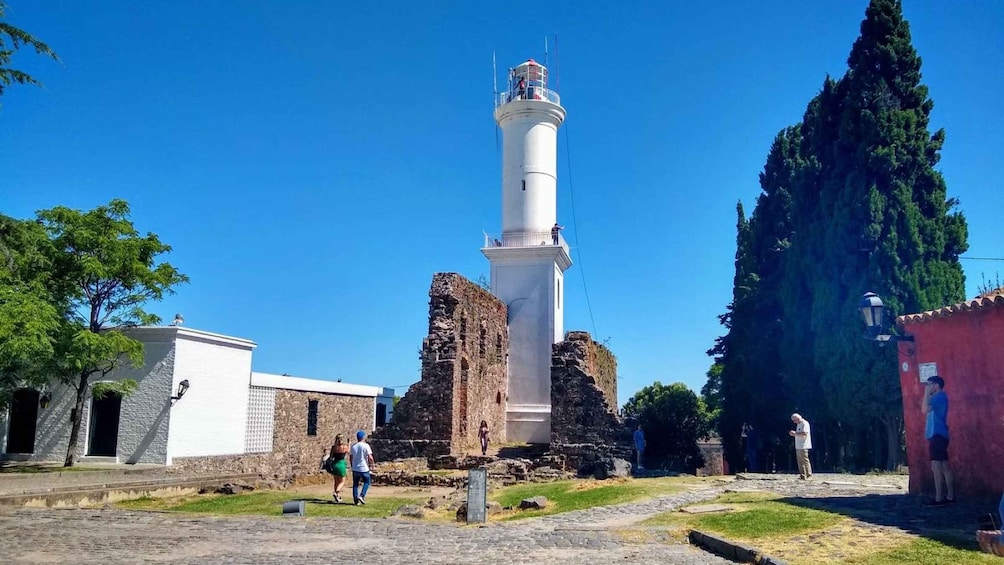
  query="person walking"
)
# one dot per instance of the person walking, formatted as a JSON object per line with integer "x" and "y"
{"x": 803, "y": 443}
{"x": 361, "y": 457}
{"x": 639, "y": 445}
{"x": 334, "y": 463}
{"x": 935, "y": 406}
{"x": 483, "y": 436}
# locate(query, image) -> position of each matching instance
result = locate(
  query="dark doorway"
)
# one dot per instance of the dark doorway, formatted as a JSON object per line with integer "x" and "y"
{"x": 104, "y": 434}
{"x": 381, "y": 415}
{"x": 23, "y": 417}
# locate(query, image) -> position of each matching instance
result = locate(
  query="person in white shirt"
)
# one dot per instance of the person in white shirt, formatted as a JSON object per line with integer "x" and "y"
{"x": 803, "y": 443}
{"x": 360, "y": 457}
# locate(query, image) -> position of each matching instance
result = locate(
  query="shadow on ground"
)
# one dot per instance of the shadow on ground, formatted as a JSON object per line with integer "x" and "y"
{"x": 954, "y": 525}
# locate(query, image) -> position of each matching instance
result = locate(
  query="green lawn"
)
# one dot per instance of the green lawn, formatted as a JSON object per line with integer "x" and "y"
{"x": 927, "y": 552}
{"x": 755, "y": 516}
{"x": 804, "y": 536}
{"x": 269, "y": 503}
{"x": 566, "y": 496}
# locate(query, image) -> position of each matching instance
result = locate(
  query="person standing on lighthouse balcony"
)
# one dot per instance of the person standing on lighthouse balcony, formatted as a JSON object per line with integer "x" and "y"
{"x": 555, "y": 231}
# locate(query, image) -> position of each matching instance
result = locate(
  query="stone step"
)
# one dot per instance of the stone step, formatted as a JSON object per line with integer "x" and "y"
{"x": 19, "y": 482}
{"x": 123, "y": 490}
{"x": 111, "y": 484}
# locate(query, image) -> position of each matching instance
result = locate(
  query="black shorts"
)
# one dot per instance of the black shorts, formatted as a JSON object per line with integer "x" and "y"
{"x": 938, "y": 448}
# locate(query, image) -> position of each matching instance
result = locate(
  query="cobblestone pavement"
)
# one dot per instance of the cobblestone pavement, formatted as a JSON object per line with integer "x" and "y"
{"x": 108, "y": 536}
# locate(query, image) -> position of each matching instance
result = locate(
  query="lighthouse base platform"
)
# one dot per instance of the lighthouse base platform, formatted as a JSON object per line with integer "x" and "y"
{"x": 528, "y": 423}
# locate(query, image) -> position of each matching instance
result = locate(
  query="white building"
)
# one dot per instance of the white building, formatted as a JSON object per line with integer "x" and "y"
{"x": 224, "y": 408}
{"x": 530, "y": 257}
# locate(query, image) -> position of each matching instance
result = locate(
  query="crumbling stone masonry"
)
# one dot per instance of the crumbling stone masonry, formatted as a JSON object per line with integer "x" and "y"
{"x": 585, "y": 427}
{"x": 583, "y": 393}
{"x": 464, "y": 376}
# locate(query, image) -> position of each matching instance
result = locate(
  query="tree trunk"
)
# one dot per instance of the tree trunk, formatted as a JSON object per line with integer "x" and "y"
{"x": 892, "y": 433}
{"x": 75, "y": 417}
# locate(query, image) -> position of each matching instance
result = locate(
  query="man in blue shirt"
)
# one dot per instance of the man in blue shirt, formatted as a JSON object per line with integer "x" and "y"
{"x": 639, "y": 445}
{"x": 935, "y": 406}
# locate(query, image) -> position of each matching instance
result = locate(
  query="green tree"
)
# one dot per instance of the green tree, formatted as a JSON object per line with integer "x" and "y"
{"x": 711, "y": 395}
{"x": 106, "y": 272}
{"x": 851, "y": 202}
{"x": 12, "y": 39}
{"x": 29, "y": 320}
{"x": 889, "y": 225}
{"x": 733, "y": 350}
{"x": 673, "y": 418}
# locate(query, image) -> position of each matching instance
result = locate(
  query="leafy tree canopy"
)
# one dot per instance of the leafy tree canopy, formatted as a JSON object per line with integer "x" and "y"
{"x": 12, "y": 39}
{"x": 674, "y": 419}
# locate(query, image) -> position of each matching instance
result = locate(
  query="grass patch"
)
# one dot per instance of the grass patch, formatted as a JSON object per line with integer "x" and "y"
{"x": 566, "y": 496}
{"x": 755, "y": 516}
{"x": 269, "y": 503}
{"x": 808, "y": 536}
{"x": 928, "y": 552}
{"x": 767, "y": 519}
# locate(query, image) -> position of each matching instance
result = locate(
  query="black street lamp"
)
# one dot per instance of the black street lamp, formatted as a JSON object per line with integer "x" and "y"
{"x": 873, "y": 312}
{"x": 182, "y": 389}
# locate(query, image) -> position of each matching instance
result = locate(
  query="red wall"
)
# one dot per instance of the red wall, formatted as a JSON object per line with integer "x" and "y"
{"x": 968, "y": 347}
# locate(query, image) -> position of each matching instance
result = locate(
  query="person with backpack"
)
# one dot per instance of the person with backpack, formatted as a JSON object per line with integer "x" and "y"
{"x": 334, "y": 463}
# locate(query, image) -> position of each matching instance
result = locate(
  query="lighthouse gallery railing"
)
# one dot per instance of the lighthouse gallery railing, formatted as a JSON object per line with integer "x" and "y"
{"x": 527, "y": 239}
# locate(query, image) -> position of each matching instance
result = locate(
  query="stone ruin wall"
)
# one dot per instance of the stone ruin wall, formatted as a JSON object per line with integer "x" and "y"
{"x": 295, "y": 454}
{"x": 463, "y": 379}
{"x": 584, "y": 395}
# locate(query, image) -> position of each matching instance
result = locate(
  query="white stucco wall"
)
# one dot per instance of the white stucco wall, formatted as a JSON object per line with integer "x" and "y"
{"x": 527, "y": 288}
{"x": 145, "y": 415}
{"x": 529, "y": 164}
{"x": 211, "y": 419}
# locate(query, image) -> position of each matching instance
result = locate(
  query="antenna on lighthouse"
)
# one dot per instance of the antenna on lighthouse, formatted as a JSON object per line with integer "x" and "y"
{"x": 495, "y": 96}
{"x": 545, "y": 51}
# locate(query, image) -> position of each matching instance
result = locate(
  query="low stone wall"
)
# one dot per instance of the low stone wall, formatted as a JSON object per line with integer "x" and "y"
{"x": 270, "y": 467}
{"x": 390, "y": 449}
{"x": 573, "y": 456}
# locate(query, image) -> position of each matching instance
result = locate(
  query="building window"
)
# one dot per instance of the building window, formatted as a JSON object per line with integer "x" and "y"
{"x": 381, "y": 414}
{"x": 463, "y": 333}
{"x": 559, "y": 295}
{"x": 482, "y": 345}
{"x": 524, "y": 184}
{"x": 311, "y": 417}
{"x": 498, "y": 346}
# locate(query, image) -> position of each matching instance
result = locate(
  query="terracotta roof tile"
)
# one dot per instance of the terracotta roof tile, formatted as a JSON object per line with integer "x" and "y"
{"x": 984, "y": 301}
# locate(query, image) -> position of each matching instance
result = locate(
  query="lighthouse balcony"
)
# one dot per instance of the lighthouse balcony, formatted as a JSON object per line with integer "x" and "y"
{"x": 526, "y": 239}
{"x": 527, "y": 93}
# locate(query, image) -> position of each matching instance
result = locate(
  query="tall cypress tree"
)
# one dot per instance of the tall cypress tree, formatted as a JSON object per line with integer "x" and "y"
{"x": 732, "y": 349}
{"x": 851, "y": 203}
{"x": 887, "y": 227}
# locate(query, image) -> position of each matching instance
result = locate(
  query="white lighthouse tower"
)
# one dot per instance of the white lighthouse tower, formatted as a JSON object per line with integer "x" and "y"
{"x": 529, "y": 258}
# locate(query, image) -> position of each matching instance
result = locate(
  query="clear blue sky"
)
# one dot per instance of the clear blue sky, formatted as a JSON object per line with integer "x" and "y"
{"x": 313, "y": 163}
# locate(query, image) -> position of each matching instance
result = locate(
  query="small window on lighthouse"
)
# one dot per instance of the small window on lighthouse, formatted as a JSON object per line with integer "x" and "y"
{"x": 559, "y": 295}
{"x": 524, "y": 184}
